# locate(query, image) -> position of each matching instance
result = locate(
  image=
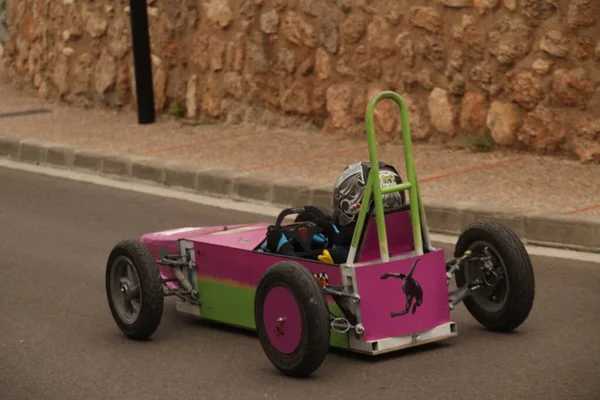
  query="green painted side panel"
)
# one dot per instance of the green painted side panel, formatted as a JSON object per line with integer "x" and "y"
{"x": 233, "y": 304}
{"x": 227, "y": 302}
{"x": 338, "y": 339}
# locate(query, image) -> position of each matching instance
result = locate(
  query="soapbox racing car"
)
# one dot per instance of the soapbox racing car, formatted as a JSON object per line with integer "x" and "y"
{"x": 385, "y": 297}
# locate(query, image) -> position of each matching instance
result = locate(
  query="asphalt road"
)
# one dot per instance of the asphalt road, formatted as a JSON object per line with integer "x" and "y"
{"x": 58, "y": 339}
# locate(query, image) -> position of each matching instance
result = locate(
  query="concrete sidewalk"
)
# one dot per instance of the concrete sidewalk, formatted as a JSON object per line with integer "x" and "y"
{"x": 547, "y": 200}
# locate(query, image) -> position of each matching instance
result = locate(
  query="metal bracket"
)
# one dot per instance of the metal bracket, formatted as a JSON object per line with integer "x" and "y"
{"x": 455, "y": 265}
{"x": 177, "y": 263}
{"x": 354, "y": 296}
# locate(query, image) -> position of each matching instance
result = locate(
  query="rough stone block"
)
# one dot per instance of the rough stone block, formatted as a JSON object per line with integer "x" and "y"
{"x": 291, "y": 194}
{"x": 9, "y": 147}
{"x": 513, "y": 218}
{"x": 116, "y": 165}
{"x": 215, "y": 182}
{"x": 88, "y": 159}
{"x": 60, "y": 155}
{"x": 568, "y": 230}
{"x": 32, "y": 151}
{"x": 181, "y": 176}
{"x": 250, "y": 188}
{"x": 321, "y": 197}
{"x": 444, "y": 218}
{"x": 148, "y": 169}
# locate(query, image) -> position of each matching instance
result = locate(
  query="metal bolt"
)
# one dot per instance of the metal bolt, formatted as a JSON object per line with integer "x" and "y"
{"x": 359, "y": 329}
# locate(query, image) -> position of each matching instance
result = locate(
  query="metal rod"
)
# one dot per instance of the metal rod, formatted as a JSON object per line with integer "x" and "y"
{"x": 396, "y": 188}
{"x": 140, "y": 40}
{"x": 373, "y": 181}
{"x": 457, "y": 296}
{"x": 355, "y": 297}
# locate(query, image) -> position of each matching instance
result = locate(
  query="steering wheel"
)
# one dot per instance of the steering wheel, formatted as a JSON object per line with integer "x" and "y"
{"x": 303, "y": 232}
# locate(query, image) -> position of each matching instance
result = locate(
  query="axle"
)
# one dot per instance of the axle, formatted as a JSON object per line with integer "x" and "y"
{"x": 458, "y": 295}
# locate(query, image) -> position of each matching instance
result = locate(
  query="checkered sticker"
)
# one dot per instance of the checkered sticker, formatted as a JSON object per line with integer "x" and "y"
{"x": 322, "y": 278}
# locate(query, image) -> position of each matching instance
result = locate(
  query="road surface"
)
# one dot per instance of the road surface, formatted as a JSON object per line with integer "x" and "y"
{"x": 58, "y": 340}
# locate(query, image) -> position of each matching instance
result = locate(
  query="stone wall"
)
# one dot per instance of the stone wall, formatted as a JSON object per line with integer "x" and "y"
{"x": 524, "y": 73}
{"x": 2, "y": 24}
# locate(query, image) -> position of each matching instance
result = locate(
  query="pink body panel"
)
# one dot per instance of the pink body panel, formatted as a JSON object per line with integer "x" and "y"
{"x": 381, "y": 297}
{"x": 399, "y": 233}
{"x": 225, "y": 253}
{"x": 225, "y": 234}
{"x": 247, "y": 267}
{"x": 207, "y": 233}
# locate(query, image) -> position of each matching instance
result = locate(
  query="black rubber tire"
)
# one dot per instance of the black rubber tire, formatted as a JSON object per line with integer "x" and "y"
{"x": 152, "y": 296}
{"x": 519, "y": 272}
{"x": 315, "y": 338}
{"x": 308, "y": 217}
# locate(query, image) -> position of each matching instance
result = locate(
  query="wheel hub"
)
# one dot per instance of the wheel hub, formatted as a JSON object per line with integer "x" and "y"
{"x": 279, "y": 328}
{"x": 282, "y": 320}
{"x": 492, "y": 294}
{"x": 125, "y": 287}
{"x": 491, "y": 278}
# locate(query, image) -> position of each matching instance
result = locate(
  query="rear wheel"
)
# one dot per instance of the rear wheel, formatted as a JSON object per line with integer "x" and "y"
{"x": 134, "y": 289}
{"x": 292, "y": 319}
{"x": 506, "y": 297}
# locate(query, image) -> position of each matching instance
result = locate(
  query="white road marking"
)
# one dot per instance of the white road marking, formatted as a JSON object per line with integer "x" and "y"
{"x": 251, "y": 208}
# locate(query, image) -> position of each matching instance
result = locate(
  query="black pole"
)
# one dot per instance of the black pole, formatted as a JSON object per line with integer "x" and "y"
{"x": 140, "y": 39}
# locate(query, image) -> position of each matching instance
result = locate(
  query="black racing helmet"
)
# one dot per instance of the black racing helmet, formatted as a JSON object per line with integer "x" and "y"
{"x": 350, "y": 188}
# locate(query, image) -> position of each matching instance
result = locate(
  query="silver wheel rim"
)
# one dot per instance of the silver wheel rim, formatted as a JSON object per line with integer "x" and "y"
{"x": 125, "y": 289}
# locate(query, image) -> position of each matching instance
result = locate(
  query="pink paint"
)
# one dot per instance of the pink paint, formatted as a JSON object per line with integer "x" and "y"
{"x": 225, "y": 253}
{"x": 246, "y": 267}
{"x": 242, "y": 236}
{"x": 381, "y": 297}
{"x": 192, "y": 233}
{"x": 399, "y": 233}
{"x": 282, "y": 320}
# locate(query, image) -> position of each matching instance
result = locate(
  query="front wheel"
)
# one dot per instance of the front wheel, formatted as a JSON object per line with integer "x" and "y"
{"x": 134, "y": 289}
{"x": 505, "y": 298}
{"x": 292, "y": 319}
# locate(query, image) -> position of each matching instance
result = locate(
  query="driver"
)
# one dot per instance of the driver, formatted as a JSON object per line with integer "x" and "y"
{"x": 348, "y": 193}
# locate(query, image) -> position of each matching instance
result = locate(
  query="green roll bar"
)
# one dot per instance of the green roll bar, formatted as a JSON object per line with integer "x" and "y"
{"x": 373, "y": 188}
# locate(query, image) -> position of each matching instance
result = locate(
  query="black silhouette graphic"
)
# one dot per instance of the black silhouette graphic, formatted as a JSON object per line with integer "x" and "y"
{"x": 410, "y": 287}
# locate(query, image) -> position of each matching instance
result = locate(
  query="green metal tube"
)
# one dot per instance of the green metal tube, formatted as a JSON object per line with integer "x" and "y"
{"x": 423, "y": 217}
{"x": 362, "y": 215}
{"x": 374, "y": 185}
{"x": 412, "y": 177}
{"x": 374, "y": 181}
{"x": 396, "y": 188}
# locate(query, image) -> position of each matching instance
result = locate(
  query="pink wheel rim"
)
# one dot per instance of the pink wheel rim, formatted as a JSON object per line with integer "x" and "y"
{"x": 282, "y": 320}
